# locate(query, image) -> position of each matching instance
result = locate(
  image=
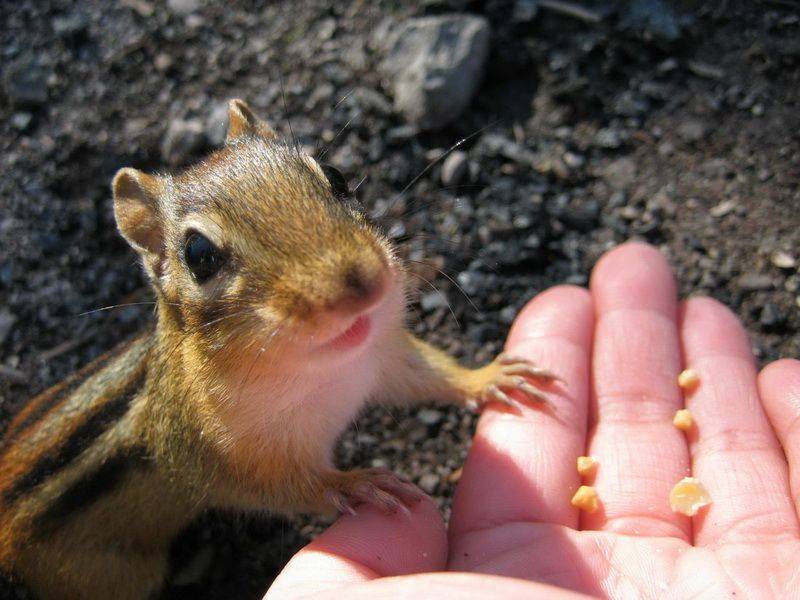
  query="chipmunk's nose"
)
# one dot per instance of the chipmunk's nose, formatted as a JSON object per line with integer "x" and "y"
{"x": 361, "y": 287}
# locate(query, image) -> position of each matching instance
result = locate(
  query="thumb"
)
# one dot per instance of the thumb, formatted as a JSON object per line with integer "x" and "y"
{"x": 364, "y": 547}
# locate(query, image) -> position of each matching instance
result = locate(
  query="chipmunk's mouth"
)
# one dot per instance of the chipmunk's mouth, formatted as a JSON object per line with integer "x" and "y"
{"x": 353, "y": 336}
{"x": 359, "y": 329}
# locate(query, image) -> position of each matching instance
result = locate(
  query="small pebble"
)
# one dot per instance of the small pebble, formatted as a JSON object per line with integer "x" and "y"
{"x": 620, "y": 173}
{"x": 21, "y": 120}
{"x": 429, "y": 416}
{"x": 163, "y": 62}
{"x": 783, "y": 260}
{"x": 771, "y": 316}
{"x": 7, "y": 320}
{"x": 183, "y": 7}
{"x": 432, "y": 301}
{"x": 182, "y": 140}
{"x": 365, "y": 439}
{"x": 574, "y": 161}
{"x": 752, "y": 282}
{"x": 508, "y": 314}
{"x": 692, "y": 131}
{"x": 70, "y": 26}
{"x": 429, "y": 482}
{"x": 25, "y": 84}
{"x": 454, "y": 168}
{"x": 608, "y": 138}
{"x": 723, "y": 208}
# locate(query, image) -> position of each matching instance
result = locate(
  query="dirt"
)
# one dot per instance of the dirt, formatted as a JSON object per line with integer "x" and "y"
{"x": 690, "y": 143}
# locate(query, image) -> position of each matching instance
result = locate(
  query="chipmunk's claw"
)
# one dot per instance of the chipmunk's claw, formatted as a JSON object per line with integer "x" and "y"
{"x": 521, "y": 366}
{"x": 339, "y": 502}
{"x": 512, "y": 374}
{"x": 517, "y": 382}
{"x": 379, "y": 487}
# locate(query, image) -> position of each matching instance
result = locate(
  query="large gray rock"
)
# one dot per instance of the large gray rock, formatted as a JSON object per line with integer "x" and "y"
{"x": 435, "y": 65}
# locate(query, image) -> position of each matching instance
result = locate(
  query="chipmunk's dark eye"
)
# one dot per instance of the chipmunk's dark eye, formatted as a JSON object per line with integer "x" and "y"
{"x": 202, "y": 257}
{"x": 337, "y": 181}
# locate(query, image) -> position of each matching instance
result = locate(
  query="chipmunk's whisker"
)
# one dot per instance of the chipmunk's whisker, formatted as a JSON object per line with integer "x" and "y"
{"x": 439, "y": 158}
{"x": 338, "y": 133}
{"x": 450, "y": 279}
{"x": 286, "y": 112}
{"x": 123, "y": 305}
{"x": 438, "y": 291}
{"x": 358, "y": 185}
{"x": 335, "y": 106}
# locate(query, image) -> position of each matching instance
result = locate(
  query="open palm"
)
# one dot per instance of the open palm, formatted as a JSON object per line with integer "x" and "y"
{"x": 513, "y": 532}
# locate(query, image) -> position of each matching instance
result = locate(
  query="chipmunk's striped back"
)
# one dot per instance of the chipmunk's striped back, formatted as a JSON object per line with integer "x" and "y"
{"x": 68, "y": 448}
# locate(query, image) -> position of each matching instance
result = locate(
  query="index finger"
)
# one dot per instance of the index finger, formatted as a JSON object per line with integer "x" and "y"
{"x": 522, "y": 467}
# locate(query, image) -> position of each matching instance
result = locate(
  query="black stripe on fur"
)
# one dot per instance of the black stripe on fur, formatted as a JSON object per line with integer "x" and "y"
{"x": 79, "y": 440}
{"x": 89, "y": 488}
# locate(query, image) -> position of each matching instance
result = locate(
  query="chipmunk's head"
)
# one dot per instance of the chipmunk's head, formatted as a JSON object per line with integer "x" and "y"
{"x": 259, "y": 246}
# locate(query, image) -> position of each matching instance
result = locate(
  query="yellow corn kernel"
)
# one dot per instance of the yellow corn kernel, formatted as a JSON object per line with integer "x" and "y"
{"x": 683, "y": 419}
{"x": 688, "y": 379}
{"x": 688, "y": 496}
{"x": 586, "y": 465}
{"x": 585, "y": 498}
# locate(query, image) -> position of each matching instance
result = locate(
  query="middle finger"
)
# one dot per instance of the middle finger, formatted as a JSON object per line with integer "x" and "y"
{"x": 641, "y": 455}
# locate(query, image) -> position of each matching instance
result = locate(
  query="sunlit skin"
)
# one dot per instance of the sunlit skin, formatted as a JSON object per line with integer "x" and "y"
{"x": 513, "y": 533}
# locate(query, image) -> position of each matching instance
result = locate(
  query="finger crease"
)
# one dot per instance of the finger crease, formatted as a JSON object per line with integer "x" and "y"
{"x": 735, "y": 440}
{"x": 641, "y": 529}
{"x": 635, "y": 408}
{"x": 757, "y": 528}
{"x": 648, "y": 312}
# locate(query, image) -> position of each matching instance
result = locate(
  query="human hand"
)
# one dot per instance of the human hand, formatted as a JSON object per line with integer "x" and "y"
{"x": 513, "y": 532}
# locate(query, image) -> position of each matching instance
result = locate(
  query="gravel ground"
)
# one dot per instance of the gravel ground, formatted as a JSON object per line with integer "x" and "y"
{"x": 676, "y": 124}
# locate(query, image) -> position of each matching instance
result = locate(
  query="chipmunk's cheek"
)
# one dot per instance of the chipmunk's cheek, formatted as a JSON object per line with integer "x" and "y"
{"x": 274, "y": 321}
{"x": 238, "y": 286}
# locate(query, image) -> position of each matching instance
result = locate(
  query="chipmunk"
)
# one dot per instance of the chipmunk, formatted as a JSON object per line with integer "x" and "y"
{"x": 280, "y": 315}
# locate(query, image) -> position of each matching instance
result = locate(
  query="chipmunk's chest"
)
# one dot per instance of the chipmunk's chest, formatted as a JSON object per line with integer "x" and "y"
{"x": 313, "y": 405}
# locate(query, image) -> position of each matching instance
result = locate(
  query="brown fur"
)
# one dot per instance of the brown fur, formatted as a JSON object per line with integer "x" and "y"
{"x": 222, "y": 404}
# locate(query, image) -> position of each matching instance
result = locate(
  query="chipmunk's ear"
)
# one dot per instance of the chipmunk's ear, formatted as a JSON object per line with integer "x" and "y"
{"x": 136, "y": 201}
{"x": 242, "y": 121}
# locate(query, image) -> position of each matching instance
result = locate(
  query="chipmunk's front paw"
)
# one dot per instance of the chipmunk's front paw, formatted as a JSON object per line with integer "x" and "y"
{"x": 507, "y": 374}
{"x": 379, "y": 487}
